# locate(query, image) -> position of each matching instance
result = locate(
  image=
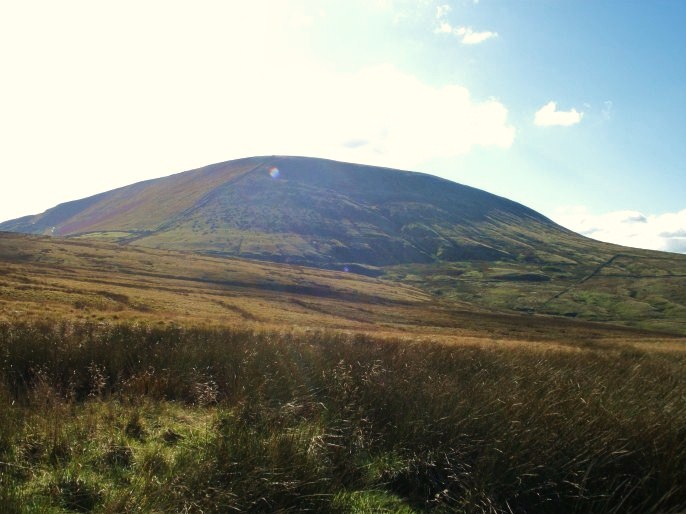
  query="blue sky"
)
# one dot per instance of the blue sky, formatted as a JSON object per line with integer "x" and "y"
{"x": 574, "y": 108}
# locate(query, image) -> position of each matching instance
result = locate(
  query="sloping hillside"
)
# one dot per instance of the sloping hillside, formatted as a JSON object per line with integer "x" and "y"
{"x": 311, "y": 211}
{"x": 44, "y": 278}
{"x": 458, "y": 243}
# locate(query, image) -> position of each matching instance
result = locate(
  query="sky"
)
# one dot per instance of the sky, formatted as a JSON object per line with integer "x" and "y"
{"x": 575, "y": 108}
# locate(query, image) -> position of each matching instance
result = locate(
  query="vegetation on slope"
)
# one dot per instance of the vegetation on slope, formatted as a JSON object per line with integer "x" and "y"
{"x": 312, "y": 211}
{"x": 52, "y": 277}
{"x": 452, "y": 241}
{"x": 632, "y": 287}
{"x": 130, "y": 418}
{"x": 143, "y": 206}
{"x": 55, "y": 278}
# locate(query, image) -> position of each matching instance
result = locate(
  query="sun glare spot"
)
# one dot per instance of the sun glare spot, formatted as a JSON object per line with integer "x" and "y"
{"x": 274, "y": 172}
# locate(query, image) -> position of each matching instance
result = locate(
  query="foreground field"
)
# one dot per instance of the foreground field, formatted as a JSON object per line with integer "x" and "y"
{"x": 149, "y": 418}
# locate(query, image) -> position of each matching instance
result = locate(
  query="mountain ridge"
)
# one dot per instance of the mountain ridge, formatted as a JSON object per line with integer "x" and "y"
{"x": 308, "y": 208}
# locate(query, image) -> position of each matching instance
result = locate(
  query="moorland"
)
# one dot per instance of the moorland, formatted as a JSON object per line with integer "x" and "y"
{"x": 207, "y": 384}
{"x": 536, "y": 371}
{"x": 447, "y": 239}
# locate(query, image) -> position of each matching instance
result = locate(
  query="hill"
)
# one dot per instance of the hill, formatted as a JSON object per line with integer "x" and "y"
{"x": 310, "y": 211}
{"x": 455, "y": 242}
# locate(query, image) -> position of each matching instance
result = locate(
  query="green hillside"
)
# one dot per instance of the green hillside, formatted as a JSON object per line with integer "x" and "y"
{"x": 310, "y": 211}
{"x": 455, "y": 242}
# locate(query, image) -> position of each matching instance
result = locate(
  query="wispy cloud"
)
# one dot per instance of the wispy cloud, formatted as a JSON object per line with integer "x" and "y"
{"x": 471, "y": 37}
{"x": 466, "y": 35}
{"x": 666, "y": 232}
{"x": 548, "y": 116}
{"x": 606, "y": 112}
{"x": 442, "y": 11}
{"x": 376, "y": 124}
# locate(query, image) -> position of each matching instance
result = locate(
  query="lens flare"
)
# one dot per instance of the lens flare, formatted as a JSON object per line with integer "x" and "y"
{"x": 274, "y": 172}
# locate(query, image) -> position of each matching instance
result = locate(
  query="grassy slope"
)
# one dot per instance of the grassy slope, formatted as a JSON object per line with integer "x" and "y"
{"x": 46, "y": 277}
{"x": 614, "y": 284}
{"x": 130, "y": 210}
{"x": 317, "y": 212}
{"x": 324, "y": 212}
{"x": 86, "y": 280}
{"x": 331, "y": 392}
{"x": 451, "y": 241}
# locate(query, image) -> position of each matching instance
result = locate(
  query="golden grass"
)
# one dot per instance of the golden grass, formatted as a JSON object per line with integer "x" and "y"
{"x": 148, "y": 380}
{"x": 52, "y": 278}
{"x": 141, "y": 418}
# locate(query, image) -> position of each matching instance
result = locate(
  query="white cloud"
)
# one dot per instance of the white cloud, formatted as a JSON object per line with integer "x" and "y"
{"x": 99, "y": 95}
{"x": 548, "y": 115}
{"x": 444, "y": 28}
{"x": 470, "y": 37}
{"x": 442, "y": 11}
{"x": 665, "y": 232}
{"x": 466, "y": 35}
{"x": 381, "y": 115}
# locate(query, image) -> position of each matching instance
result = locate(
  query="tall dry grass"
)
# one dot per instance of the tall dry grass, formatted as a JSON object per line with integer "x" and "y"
{"x": 124, "y": 418}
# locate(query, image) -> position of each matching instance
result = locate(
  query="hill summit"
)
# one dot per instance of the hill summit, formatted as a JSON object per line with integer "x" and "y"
{"x": 309, "y": 211}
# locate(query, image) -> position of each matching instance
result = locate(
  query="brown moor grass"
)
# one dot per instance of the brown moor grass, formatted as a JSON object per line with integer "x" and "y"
{"x": 128, "y": 418}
